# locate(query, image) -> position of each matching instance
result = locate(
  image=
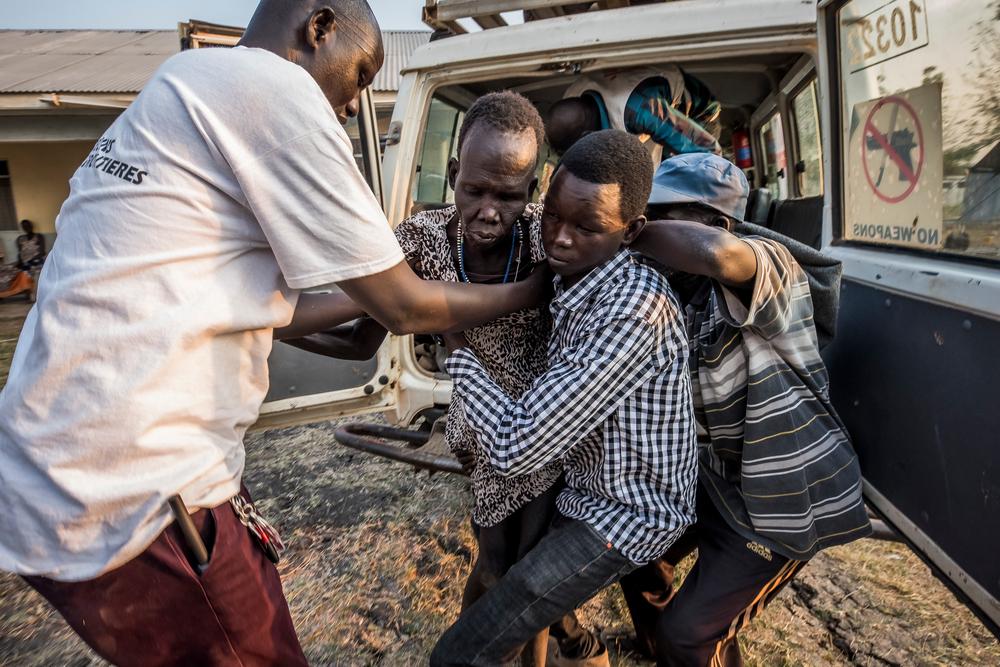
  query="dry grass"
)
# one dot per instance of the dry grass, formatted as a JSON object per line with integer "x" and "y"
{"x": 378, "y": 555}
{"x": 12, "y": 313}
{"x": 6, "y": 354}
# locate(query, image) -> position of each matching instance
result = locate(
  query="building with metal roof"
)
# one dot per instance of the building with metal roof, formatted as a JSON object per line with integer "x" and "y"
{"x": 121, "y": 61}
{"x": 61, "y": 89}
{"x": 82, "y": 61}
{"x": 399, "y": 46}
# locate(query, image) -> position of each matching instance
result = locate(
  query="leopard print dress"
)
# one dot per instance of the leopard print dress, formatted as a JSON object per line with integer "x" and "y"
{"x": 512, "y": 348}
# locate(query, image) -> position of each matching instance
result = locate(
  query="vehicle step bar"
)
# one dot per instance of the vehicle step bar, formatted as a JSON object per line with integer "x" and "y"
{"x": 421, "y": 449}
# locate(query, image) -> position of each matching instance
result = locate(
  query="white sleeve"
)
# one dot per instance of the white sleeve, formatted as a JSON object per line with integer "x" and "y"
{"x": 321, "y": 219}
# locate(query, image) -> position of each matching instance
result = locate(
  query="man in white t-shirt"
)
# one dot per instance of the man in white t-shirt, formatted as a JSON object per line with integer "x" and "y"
{"x": 226, "y": 188}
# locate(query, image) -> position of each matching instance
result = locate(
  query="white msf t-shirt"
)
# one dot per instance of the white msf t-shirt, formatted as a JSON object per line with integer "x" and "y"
{"x": 226, "y": 187}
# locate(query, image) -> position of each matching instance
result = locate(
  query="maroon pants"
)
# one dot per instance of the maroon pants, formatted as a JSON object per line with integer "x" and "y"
{"x": 155, "y": 610}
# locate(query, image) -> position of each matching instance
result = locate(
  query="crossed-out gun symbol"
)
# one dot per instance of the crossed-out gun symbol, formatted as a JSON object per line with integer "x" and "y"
{"x": 902, "y": 143}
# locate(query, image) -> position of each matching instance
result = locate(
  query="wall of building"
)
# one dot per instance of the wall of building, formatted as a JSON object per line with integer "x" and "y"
{"x": 39, "y": 177}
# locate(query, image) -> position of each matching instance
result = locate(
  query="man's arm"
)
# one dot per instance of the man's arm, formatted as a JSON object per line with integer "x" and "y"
{"x": 403, "y": 303}
{"x": 763, "y": 288}
{"x": 356, "y": 341}
{"x": 699, "y": 249}
{"x": 562, "y": 406}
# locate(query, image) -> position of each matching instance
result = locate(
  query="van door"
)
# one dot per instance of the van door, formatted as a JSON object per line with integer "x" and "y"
{"x": 914, "y": 213}
{"x": 306, "y": 387}
{"x": 539, "y": 59}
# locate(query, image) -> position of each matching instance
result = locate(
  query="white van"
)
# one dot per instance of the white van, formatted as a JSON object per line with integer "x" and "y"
{"x": 875, "y": 135}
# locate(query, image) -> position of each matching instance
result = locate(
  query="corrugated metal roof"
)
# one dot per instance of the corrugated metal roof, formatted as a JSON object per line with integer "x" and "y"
{"x": 121, "y": 61}
{"x": 399, "y": 45}
{"x": 82, "y": 61}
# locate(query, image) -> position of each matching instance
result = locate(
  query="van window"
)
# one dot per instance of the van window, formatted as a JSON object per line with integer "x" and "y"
{"x": 772, "y": 141}
{"x": 440, "y": 144}
{"x": 809, "y": 153}
{"x": 921, "y": 124}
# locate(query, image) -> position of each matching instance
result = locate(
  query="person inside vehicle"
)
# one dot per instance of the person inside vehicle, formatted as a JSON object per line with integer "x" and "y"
{"x": 223, "y": 191}
{"x": 778, "y": 478}
{"x": 492, "y": 234}
{"x": 671, "y": 111}
{"x": 614, "y": 406}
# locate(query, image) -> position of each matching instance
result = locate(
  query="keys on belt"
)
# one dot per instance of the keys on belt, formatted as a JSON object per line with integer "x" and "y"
{"x": 263, "y": 532}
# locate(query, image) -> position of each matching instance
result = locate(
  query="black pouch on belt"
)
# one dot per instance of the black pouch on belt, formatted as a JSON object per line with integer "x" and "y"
{"x": 196, "y": 546}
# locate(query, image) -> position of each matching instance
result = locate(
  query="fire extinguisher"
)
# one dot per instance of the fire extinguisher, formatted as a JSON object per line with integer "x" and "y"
{"x": 742, "y": 155}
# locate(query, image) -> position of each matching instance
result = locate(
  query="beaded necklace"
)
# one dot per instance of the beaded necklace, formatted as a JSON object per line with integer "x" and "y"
{"x": 517, "y": 241}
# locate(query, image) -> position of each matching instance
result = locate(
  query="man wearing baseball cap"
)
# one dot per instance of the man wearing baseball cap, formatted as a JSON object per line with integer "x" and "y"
{"x": 778, "y": 478}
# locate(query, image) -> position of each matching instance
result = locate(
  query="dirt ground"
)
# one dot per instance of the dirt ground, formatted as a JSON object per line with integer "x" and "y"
{"x": 12, "y": 314}
{"x": 377, "y": 555}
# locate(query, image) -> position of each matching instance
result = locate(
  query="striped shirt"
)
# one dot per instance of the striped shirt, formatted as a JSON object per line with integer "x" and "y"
{"x": 615, "y": 406}
{"x": 774, "y": 455}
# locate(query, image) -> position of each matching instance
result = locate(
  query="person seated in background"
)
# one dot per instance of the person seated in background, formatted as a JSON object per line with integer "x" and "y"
{"x": 614, "y": 407}
{"x": 778, "y": 478}
{"x": 492, "y": 234}
{"x": 671, "y": 111}
{"x": 31, "y": 253}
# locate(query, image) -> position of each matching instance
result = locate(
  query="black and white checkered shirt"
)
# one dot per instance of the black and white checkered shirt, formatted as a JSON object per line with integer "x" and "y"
{"x": 615, "y": 406}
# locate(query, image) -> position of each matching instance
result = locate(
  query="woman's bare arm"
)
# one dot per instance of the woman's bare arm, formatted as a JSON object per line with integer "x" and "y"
{"x": 356, "y": 341}
{"x": 319, "y": 312}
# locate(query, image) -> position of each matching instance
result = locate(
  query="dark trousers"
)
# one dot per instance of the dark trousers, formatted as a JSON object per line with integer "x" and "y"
{"x": 154, "y": 610}
{"x": 570, "y": 565}
{"x": 732, "y": 581}
{"x": 504, "y": 544}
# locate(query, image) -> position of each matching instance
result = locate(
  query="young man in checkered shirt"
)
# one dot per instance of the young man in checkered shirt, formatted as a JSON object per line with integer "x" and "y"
{"x": 615, "y": 407}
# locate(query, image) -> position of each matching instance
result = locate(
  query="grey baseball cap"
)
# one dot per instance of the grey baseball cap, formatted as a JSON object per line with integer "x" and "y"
{"x": 701, "y": 178}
